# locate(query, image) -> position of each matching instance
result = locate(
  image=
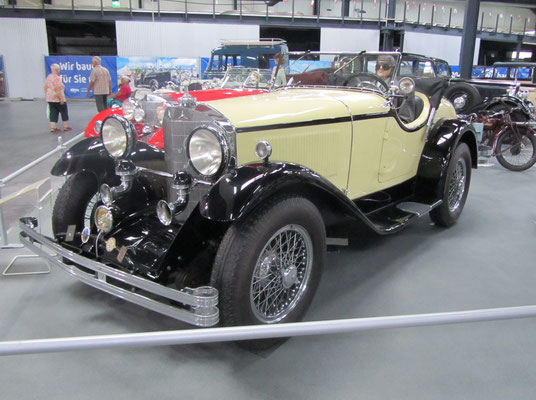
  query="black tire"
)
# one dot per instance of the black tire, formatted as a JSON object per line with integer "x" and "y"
{"x": 245, "y": 255}
{"x": 452, "y": 191}
{"x": 154, "y": 85}
{"x": 75, "y": 204}
{"x": 514, "y": 154}
{"x": 463, "y": 96}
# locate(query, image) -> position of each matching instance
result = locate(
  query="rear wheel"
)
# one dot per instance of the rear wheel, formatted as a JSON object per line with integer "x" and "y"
{"x": 269, "y": 264}
{"x": 516, "y": 151}
{"x": 455, "y": 188}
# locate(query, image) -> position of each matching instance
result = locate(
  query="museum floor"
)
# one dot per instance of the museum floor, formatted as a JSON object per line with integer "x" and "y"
{"x": 484, "y": 261}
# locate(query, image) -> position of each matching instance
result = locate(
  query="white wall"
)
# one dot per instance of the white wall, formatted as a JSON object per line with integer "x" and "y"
{"x": 348, "y": 39}
{"x": 441, "y": 46}
{"x": 23, "y": 43}
{"x": 170, "y": 39}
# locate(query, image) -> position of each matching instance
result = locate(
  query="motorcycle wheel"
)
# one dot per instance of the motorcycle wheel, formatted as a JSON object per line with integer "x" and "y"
{"x": 516, "y": 152}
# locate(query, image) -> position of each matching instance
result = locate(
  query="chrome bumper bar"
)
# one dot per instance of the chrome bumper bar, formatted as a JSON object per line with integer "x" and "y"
{"x": 202, "y": 301}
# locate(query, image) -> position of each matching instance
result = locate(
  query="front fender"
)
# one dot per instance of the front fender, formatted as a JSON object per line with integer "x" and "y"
{"x": 240, "y": 191}
{"x": 90, "y": 155}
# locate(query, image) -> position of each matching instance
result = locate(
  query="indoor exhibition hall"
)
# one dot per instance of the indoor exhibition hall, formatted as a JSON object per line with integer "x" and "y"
{"x": 267, "y": 199}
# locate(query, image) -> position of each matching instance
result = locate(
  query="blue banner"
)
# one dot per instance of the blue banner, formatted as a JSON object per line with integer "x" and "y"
{"x": 75, "y": 71}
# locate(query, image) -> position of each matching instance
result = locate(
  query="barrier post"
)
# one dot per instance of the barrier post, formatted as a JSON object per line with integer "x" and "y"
{"x": 3, "y": 230}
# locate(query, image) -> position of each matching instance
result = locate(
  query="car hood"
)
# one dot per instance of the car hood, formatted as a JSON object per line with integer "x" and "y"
{"x": 295, "y": 105}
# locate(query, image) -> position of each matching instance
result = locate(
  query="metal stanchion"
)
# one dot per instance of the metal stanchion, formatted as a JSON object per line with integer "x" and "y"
{"x": 60, "y": 149}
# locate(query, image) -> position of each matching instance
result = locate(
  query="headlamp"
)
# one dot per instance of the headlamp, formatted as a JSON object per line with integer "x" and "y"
{"x": 104, "y": 219}
{"x": 118, "y": 136}
{"x": 206, "y": 150}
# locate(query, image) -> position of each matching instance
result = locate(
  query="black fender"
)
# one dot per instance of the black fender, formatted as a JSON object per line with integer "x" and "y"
{"x": 238, "y": 192}
{"x": 90, "y": 155}
{"x": 510, "y": 101}
{"x": 438, "y": 149}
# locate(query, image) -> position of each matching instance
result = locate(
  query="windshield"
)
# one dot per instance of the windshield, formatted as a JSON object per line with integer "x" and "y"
{"x": 239, "y": 77}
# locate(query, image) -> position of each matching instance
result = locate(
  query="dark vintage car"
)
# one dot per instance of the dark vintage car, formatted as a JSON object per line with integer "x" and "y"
{"x": 249, "y": 54}
{"x": 506, "y": 83}
{"x": 154, "y": 80}
{"x": 349, "y": 69}
{"x": 228, "y": 223}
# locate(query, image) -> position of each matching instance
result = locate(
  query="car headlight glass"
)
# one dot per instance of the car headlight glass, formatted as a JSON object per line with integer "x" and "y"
{"x": 128, "y": 109}
{"x": 205, "y": 151}
{"x": 115, "y": 136}
{"x": 104, "y": 219}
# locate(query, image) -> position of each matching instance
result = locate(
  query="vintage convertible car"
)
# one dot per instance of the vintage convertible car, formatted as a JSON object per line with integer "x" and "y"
{"x": 146, "y": 109}
{"x": 229, "y": 223}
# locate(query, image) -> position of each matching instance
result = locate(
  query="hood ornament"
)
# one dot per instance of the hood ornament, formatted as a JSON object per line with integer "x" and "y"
{"x": 187, "y": 100}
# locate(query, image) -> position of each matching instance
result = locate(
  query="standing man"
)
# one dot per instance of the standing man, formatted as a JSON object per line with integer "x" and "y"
{"x": 100, "y": 82}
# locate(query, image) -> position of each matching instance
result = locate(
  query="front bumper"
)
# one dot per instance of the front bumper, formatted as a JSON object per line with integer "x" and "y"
{"x": 197, "y": 306}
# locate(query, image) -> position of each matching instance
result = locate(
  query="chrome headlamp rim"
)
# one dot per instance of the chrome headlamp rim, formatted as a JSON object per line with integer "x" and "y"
{"x": 129, "y": 132}
{"x": 106, "y": 195}
{"x": 406, "y": 85}
{"x": 224, "y": 147}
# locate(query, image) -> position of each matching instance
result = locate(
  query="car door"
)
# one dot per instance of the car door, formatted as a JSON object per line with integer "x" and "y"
{"x": 402, "y": 146}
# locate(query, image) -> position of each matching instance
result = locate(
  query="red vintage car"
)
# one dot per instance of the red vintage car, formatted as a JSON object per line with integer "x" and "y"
{"x": 146, "y": 109}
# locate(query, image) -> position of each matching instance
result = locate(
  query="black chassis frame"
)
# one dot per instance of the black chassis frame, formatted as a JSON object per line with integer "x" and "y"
{"x": 178, "y": 247}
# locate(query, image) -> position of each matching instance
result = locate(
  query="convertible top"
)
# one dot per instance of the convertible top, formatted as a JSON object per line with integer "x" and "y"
{"x": 433, "y": 88}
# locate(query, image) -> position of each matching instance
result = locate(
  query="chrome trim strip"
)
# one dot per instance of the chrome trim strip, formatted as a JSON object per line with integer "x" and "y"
{"x": 204, "y": 306}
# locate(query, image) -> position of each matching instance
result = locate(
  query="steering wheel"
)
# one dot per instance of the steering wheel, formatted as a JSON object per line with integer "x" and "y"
{"x": 366, "y": 80}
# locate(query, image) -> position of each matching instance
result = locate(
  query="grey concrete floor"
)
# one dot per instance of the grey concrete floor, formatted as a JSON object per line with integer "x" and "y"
{"x": 484, "y": 261}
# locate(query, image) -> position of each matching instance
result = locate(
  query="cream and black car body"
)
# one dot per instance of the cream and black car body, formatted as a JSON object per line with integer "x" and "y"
{"x": 229, "y": 223}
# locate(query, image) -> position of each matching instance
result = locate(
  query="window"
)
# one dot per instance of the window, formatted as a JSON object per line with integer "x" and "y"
{"x": 442, "y": 69}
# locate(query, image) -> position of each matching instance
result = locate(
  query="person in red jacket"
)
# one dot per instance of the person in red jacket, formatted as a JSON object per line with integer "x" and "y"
{"x": 122, "y": 93}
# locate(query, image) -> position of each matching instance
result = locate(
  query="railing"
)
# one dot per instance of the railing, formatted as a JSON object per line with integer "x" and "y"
{"x": 508, "y": 20}
{"x": 210, "y": 335}
{"x": 4, "y": 242}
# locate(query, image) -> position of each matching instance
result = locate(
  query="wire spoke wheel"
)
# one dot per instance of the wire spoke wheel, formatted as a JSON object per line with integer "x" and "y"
{"x": 281, "y": 274}
{"x": 516, "y": 150}
{"x": 456, "y": 186}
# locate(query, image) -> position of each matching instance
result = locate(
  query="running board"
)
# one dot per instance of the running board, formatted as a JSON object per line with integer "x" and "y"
{"x": 397, "y": 216}
{"x": 419, "y": 209}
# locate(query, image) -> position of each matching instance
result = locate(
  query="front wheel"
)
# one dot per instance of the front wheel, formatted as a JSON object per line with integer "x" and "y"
{"x": 454, "y": 189}
{"x": 76, "y": 202}
{"x": 269, "y": 264}
{"x": 516, "y": 151}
